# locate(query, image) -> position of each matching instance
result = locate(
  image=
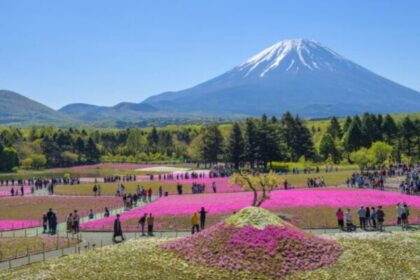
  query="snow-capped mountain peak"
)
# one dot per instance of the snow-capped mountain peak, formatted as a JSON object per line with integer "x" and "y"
{"x": 290, "y": 56}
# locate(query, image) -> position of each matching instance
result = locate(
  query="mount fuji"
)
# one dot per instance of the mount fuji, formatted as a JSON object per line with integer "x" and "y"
{"x": 300, "y": 76}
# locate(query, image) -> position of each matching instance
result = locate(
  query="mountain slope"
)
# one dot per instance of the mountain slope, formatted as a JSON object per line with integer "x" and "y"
{"x": 17, "y": 109}
{"x": 123, "y": 111}
{"x": 301, "y": 76}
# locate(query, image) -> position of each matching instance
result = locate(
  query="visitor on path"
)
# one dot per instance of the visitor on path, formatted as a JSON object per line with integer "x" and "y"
{"x": 362, "y": 217}
{"x": 95, "y": 190}
{"x": 12, "y": 192}
{"x": 349, "y": 220}
{"x": 117, "y": 230}
{"x": 398, "y": 213}
{"x": 49, "y": 215}
{"x": 203, "y": 214}
{"x": 22, "y": 191}
{"x": 160, "y": 191}
{"x": 76, "y": 222}
{"x": 150, "y": 223}
{"x": 69, "y": 223}
{"x": 149, "y": 194}
{"x": 142, "y": 223}
{"x": 404, "y": 216}
{"x": 106, "y": 214}
{"x": 195, "y": 223}
{"x": 380, "y": 216}
{"x": 340, "y": 218}
{"x": 44, "y": 223}
{"x": 53, "y": 223}
{"x": 91, "y": 215}
{"x": 373, "y": 217}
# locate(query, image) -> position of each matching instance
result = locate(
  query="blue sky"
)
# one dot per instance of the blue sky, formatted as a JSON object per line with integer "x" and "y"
{"x": 104, "y": 52}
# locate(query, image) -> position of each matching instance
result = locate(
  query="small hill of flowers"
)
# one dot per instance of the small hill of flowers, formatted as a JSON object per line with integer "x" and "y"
{"x": 258, "y": 241}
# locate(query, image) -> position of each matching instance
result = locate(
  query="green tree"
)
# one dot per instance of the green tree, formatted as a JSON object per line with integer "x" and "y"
{"x": 8, "y": 158}
{"x": 235, "y": 149}
{"x": 363, "y": 158}
{"x": 327, "y": 148}
{"x": 153, "y": 137}
{"x": 212, "y": 146}
{"x": 408, "y": 133}
{"x": 352, "y": 140}
{"x": 92, "y": 153}
{"x": 250, "y": 142}
{"x": 334, "y": 129}
{"x": 267, "y": 142}
{"x": 380, "y": 151}
{"x": 390, "y": 129}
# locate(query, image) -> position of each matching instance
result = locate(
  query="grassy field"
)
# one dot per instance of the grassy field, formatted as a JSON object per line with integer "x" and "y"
{"x": 14, "y": 247}
{"x": 110, "y": 188}
{"x": 33, "y": 207}
{"x": 380, "y": 256}
{"x": 330, "y": 178}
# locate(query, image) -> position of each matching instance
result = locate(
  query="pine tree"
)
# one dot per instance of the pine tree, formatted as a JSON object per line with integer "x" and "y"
{"x": 212, "y": 146}
{"x": 408, "y": 132}
{"x": 235, "y": 149}
{"x": 328, "y": 149}
{"x": 92, "y": 153}
{"x": 390, "y": 129}
{"x": 267, "y": 142}
{"x": 153, "y": 137}
{"x": 250, "y": 142}
{"x": 335, "y": 129}
{"x": 353, "y": 137}
{"x": 347, "y": 124}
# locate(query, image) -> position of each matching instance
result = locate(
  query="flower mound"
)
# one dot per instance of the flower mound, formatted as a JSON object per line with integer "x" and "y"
{"x": 266, "y": 245}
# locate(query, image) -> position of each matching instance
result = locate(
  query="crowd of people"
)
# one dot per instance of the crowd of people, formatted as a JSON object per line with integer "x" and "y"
{"x": 316, "y": 182}
{"x": 373, "y": 180}
{"x": 117, "y": 178}
{"x": 371, "y": 218}
{"x": 411, "y": 183}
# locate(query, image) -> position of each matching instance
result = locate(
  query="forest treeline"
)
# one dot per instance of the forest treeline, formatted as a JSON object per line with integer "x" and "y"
{"x": 255, "y": 142}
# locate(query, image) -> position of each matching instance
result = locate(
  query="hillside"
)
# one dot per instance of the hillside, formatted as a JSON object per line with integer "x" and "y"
{"x": 16, "y": 109}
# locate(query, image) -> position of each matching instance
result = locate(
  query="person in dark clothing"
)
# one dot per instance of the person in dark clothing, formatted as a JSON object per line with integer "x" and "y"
{"x": 44, "y": 223}
{"x": 150, "y": 224}
{"x": 203, "y": 214}
{"x": 117, "y": 229}
{"x": 49, "y": 214}
{"x": 142, "y": 223}
{"x": 53, "y": 222}
{"x": 106, "y": 214}
{"x": 380, "y": 216}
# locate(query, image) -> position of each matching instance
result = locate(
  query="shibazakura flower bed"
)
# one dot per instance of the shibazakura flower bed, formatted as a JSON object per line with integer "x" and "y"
{"x": 308, "y": 207}
{"x": 258, "y": 241}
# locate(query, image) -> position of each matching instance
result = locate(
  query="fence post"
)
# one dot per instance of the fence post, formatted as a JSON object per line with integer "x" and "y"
{"x": 43, "y": 252}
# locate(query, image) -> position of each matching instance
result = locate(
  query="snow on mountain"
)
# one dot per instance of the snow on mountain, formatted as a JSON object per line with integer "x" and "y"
{"x": 297, "y": 75}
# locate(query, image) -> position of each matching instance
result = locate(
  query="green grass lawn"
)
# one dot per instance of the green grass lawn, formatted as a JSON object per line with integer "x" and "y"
{"x": 110, "y": 188}
{"x": 330, "y": 178}
{"x": 14, "y": 247}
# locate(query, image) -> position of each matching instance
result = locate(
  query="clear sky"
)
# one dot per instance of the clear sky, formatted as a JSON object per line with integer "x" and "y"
{"x": 104, "y": 52}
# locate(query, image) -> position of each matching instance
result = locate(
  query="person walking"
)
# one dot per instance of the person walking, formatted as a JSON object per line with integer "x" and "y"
{"x": 404, "y": 216}
{"x": 117, "y": 230}
{"x": 398, "y": 211}
{"x": 49, "y": 215}
{"x": 150, "y": 224}
{"x": 106, "y": 214}
{"x": 91, "y": 215}
{"x": 195, "y": 223}
{"x": 349, "y": 220}
{"x": 368, "y": 221}
{"x": 44, "y": 223}
{"x": 53, "y": 223}
{"x": 203, "y": 215}
{"x": 380, "y": 216}
{"x": 142, "y": 223}
{"x": 76, "y": 222}
{"x": 373, "y": 217}
{"x": 69, "y": 223}
{"x": 362, "y": 217}
{"x": 340, "y": 218}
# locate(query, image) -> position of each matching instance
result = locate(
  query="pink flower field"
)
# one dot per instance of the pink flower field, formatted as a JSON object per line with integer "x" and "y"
{"x": 227, "y": 203}
{"x": 6, "y": 225}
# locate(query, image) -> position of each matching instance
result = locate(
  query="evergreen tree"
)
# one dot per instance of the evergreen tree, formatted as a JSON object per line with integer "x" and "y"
{"x": 328, "y": 149}
{"x": 212, "y": 146}
{"x": 408, "y": 132}
{"x": 353, "y": 138}
{"x": 80, "y": 148}
{"x": 92, "y": 153}
{"x": 390, "y": 129}
{"x": 335, "y": 129}
{"x": 153, "y": 137}
{"x": 235, "y": 149}
{"x": 250, "y": 142}
{"x": 267, "y": 142}
{"x": 347, "y": 124}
